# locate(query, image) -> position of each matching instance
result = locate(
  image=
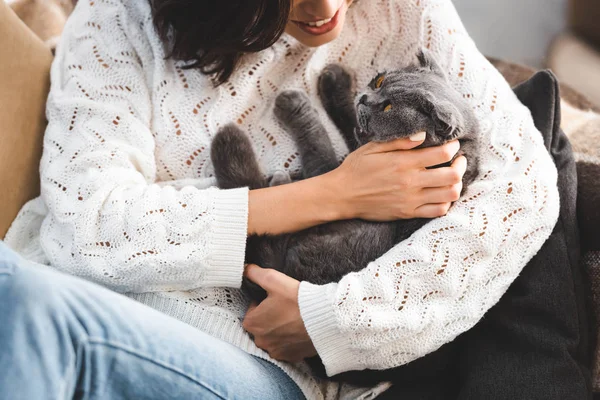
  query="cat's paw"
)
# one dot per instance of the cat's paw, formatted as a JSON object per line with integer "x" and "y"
{"x": 234, "y": 161}
{"x": 230, "y": 141}
{"x": 471, "y": 173}
{"x": 280, "y": 178}
{"x": 291, "y": 105}
{"x": 334, "y": 80}
{"x": 451, "y": 133}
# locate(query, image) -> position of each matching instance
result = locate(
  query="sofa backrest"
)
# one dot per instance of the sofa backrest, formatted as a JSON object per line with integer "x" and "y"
{"x": 24, "y": 83}
{"x": 584, "y": 18}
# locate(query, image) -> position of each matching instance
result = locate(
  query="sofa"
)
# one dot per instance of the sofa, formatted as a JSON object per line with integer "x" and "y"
{"x": 575, "y": 54}
{"x": 24, "y": 84}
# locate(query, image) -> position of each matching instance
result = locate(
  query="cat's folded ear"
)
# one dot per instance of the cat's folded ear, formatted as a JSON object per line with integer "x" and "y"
{"x": 427, "y": 60}
{"x": 447, "y": 118}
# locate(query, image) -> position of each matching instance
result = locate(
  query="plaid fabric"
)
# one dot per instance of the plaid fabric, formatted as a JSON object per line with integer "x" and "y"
{"x": 591, "y": 261}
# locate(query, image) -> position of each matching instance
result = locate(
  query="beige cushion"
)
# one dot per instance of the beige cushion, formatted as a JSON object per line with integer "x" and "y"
{"x": 576, "y": 63}
{"x": 24, "y": 83}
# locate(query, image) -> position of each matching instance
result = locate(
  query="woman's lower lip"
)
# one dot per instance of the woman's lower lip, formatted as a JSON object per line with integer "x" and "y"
{"x": 319, "y": 30}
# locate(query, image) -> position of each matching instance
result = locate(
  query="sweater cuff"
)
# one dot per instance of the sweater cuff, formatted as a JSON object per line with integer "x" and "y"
{"x": 321, "y": 322}
{"x": 228, "y": 244}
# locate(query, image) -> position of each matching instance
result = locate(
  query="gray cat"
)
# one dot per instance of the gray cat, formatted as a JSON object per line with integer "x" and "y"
{"x": 395, "y": 104}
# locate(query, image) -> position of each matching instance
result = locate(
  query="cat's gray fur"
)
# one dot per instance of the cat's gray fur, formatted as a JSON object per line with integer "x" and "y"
{"x": 421, "y": 99}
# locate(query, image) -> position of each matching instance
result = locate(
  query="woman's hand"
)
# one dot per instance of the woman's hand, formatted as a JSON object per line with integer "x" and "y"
{"x": 276, "y": 323}
{"x": 389, "y": 181}
{"x": 377, "y": 182}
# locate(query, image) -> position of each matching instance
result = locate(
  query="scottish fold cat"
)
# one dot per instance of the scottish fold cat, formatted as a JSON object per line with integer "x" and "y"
{"x": 395, "y": 104}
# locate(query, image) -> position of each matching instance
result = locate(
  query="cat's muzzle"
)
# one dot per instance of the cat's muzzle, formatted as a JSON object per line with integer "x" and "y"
{"x": 363, "y": 119}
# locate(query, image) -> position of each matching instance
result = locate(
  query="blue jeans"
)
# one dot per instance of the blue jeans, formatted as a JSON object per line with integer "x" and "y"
{"x": 62, "y": 337}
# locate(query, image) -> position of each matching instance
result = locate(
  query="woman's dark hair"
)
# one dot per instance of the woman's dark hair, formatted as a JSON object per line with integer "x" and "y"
{"x": 212, "y": 35}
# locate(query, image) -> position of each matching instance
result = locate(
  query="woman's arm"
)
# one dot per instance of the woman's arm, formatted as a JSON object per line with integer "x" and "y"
{"x": 292, "y": 207}
{"x": 108, "y": 221}
{"x": 439, "y": 283}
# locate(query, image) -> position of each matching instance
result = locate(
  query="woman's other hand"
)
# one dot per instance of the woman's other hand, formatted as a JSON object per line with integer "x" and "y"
{"x": 276, "y": 323}
{"x": 390, "y": 181}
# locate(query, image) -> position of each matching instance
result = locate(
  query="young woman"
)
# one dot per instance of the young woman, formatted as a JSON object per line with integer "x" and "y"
{"x": 128, "y": 202}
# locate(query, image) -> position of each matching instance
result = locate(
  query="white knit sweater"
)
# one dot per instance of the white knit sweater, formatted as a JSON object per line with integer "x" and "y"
{"x": 128, "y": 198}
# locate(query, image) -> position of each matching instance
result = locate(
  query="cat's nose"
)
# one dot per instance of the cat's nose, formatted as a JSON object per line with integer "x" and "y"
{"x": 363, "y": 99}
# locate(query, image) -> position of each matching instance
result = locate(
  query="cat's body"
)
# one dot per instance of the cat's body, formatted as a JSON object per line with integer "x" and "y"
{"x": 422, "y": 100}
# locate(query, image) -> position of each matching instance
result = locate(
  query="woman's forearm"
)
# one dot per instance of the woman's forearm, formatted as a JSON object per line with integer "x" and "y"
{"x": 377, "y": 182}
{"x": 293, "y": 207}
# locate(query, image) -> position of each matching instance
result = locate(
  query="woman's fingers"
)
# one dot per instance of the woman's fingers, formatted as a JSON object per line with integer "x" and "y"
{"x": 461, "y": 164}
{"x": 262, "y": 277}
{"x": 430, "y": 156}
{"x": 441, "y": 194}
{"x": 386, "y": 181}
{"x": 269, "y": 279}
{"x": 432, "y": 210}
{"x": 444, "y": 187}
{"x": 395, "y": 145}
{"x": 444, "y": 176}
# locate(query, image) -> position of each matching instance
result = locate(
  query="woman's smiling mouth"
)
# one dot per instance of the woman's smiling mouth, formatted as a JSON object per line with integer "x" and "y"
{"x": 320, "y": 27}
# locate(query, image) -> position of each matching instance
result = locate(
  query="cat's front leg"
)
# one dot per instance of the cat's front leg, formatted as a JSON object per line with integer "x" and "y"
{"x": 294, "y": 111}
{"x": 337, "y": 96}
{"x": 234, "y": 160}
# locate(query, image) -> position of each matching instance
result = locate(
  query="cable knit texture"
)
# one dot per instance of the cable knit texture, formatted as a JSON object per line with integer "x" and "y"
{"x": 128, "y": 198}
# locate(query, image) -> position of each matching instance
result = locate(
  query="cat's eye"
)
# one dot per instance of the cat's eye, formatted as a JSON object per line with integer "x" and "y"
{"x": 379, "y": 82}
{"x": 387, "y": 108}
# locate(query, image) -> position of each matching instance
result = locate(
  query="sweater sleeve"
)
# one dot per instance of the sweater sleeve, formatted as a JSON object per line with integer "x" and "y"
{"x": 440, "y": 282}
{"x": 109, "y": 220}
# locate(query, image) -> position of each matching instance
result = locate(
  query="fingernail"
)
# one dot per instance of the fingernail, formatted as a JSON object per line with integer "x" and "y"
{"x": 418, "y": 137}
{"x": 457, "y": 144}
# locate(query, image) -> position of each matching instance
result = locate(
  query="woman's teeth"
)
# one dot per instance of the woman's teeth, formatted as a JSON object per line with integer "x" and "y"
{"x": 318, "y": 23}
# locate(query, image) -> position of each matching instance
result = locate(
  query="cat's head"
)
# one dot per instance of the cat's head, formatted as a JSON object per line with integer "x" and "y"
{"x": 414, "y": 99}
